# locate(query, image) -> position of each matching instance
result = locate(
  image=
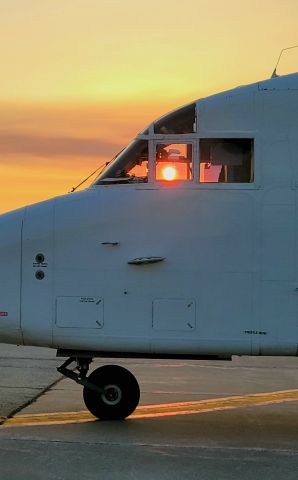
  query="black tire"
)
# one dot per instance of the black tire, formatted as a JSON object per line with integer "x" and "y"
{"x": 120, "y": 397}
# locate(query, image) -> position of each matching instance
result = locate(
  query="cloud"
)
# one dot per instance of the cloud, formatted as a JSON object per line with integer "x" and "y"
{"x": 54, "y": 146}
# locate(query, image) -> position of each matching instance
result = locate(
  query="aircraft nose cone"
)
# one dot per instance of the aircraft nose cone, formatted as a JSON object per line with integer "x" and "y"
{"x": 10, "y": 276}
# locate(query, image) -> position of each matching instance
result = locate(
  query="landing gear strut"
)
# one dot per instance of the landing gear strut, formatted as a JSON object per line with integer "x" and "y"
{"x": 110, "y": 392}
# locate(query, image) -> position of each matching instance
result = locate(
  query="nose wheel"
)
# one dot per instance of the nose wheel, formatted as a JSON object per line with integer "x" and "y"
{"x": 117, "y": 394}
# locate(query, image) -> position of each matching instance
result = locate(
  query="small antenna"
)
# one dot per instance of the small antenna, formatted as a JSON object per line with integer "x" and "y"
{"x": 100, "y": 168}
{"x": 89, "y": 176}
{"x": 274, "y": 74}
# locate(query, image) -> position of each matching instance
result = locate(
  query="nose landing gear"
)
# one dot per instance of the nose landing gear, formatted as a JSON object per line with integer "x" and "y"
{"x": 110, "y": 392}
{"x": 120, "y": 393}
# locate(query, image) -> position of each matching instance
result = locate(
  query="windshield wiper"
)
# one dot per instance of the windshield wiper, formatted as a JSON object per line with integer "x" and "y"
{"x": 119, "y": 180}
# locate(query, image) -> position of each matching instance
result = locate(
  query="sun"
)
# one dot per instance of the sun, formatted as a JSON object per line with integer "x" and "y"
{"x": 169, "y": 173}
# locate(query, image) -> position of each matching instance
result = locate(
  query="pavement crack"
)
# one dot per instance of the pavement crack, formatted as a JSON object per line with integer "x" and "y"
{"x": 31, "y": 400}
{"x": 184, "y": 446}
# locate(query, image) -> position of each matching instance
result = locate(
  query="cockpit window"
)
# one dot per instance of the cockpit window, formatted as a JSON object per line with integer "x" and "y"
{"x": 226, "y": 160}
{"x": 130, "y": 166}
{"x": 177, "y": 122}
{"x": 173, "y": 161}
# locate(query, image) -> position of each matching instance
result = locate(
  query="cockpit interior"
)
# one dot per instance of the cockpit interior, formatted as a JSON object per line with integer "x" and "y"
{"x": 172, "y": 148}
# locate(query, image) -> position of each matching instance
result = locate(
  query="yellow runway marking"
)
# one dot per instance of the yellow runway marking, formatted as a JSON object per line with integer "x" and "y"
{"x": 162, "y": 410}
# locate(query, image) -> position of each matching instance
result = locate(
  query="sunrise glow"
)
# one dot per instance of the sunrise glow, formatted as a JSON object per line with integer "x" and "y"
{"x": 81, "y": 78}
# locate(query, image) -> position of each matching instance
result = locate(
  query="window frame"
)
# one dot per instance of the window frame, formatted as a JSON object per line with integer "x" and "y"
{"x": 231, "y": 185}
{"x": 194, "y": 139}
{"x": 172, "y": 139}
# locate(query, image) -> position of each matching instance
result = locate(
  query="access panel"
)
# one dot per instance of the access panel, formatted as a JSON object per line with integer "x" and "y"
{"x": 174, "y": 314}
{"x": 79, "y": 312}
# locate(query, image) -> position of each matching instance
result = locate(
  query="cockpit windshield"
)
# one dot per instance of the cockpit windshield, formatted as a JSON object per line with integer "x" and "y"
{"x": 130, "y": 166}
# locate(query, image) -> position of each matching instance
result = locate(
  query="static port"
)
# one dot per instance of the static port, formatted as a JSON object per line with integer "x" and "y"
{"x": 39, "y": 258}
{"x": 39, "y": 275}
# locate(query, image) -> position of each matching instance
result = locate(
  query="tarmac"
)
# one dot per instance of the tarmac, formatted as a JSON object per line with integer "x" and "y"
{"x": 196, "y": 420}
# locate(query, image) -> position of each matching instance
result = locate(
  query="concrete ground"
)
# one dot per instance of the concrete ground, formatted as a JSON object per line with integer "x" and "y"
{"x": 196, "y": 420}
{"x": 25, "y": 372}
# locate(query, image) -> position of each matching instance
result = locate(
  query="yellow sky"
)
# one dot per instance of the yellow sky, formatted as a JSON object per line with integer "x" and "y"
{"x": 79, "y": 78}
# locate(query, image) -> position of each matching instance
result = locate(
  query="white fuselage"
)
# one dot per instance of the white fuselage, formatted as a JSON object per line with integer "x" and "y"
{"x": 228, "y": 282}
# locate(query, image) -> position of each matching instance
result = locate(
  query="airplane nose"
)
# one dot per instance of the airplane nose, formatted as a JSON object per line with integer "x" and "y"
{"x": 10, "y": 276}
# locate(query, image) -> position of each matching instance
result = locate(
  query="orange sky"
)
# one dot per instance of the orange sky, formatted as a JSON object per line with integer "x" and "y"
{"x": 80, "y": 78}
